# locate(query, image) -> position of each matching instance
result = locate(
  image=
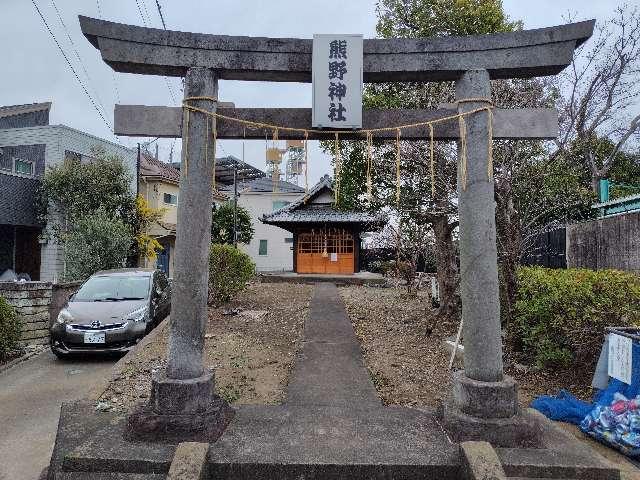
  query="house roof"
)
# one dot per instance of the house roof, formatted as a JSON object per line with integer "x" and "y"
{"x": 10, "y": 110}
{"x": 152, "y": 167}
{"x": 304, "y": 210}
{"x": 264, "y": 184}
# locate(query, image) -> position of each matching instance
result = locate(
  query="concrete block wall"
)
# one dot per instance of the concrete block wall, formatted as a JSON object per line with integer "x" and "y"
{"x": 37, "y": 304}
{"x": 31, "y": 302}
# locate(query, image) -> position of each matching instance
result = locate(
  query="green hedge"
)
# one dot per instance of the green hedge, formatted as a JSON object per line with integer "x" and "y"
{"x": 561, "y": 315}
{"x": 10, "y": 329}
{"x": 229, "y": 271}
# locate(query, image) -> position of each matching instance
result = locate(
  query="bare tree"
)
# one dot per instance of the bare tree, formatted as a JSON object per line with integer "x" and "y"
{"x": 598, "y": 94}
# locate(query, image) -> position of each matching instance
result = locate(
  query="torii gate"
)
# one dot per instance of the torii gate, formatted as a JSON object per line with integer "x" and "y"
{"x": 484, "y": 400}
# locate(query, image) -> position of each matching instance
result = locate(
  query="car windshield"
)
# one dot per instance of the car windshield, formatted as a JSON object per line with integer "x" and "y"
{"x": 114, "y": 288}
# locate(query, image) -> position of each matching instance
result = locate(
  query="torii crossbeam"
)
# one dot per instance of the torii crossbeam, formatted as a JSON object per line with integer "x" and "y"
{"x": 484, "y": 401}
{"x": 166, "y": 122}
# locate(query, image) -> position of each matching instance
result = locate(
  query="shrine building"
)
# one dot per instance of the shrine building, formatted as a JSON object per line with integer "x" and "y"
{"x": 325, "y": 239}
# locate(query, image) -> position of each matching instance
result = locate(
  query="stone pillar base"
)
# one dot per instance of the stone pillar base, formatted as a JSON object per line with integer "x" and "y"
{"x": 488, "y": 411}
{"x": 180, "y": 411}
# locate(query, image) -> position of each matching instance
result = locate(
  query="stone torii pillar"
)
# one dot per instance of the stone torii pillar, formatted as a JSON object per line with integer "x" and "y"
{"x": 484, "y": 403}
{"x": 183, "y": 404}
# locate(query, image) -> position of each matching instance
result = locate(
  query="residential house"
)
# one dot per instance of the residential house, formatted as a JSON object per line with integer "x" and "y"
{"x": 28, "y": 146}
{"x": 271, "y": 246}
{"x": 159, "y": 186}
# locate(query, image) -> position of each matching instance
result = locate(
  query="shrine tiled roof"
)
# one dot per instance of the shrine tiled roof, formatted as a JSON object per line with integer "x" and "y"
{"x": 305, "y": 210}
{"x": 327, "y": 215}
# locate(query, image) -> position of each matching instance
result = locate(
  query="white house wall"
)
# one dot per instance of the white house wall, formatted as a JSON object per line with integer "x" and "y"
{"x": 279, "y": 253}
{"x": 57, "y": 139}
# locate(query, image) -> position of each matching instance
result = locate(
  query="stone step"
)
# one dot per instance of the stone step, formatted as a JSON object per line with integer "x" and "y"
{"x": 554, "y": 463}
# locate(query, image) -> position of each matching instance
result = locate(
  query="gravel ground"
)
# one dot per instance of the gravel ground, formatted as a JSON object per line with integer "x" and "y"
{"x": 252, "y": 351}
{"x": 403, "y": 349}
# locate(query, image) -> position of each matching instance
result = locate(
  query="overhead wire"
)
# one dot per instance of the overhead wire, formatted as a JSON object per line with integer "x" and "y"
{"x": 73, "y": 70}
{"x": 146, "y": 21}
{"x": 80, "y": 61}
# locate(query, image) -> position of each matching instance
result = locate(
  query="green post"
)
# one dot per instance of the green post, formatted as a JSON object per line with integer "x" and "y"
{"x": 604, "y": 190}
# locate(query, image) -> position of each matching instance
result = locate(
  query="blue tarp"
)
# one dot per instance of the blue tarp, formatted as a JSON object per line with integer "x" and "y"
{"x": 614, "y": 415}
{"x": 563, "y": 407}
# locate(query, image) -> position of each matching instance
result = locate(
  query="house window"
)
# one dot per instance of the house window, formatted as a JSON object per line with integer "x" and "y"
{"x": 170, "y": 199}
{"x": 332, "y": 241}
{"x": 23, "y": 166}
{"x": 262, "y": 250}
{"x": 278, "y": 204}
{"x": 5, "y": 161}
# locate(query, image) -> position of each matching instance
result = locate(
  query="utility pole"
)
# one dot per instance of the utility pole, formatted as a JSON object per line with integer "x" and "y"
{"x": 138, "y": 171}
{"x": 235, "y": 199}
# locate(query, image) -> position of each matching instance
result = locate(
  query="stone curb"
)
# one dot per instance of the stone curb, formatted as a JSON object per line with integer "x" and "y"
{"x": 480, "y": 462}
{"x": 19, "y": 360}
{"x": 98, "y": 389}
{"x": 189, "y": 462}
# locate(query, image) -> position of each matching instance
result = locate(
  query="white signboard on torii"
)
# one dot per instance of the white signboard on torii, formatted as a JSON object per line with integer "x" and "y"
{"x": 337, "y": 81}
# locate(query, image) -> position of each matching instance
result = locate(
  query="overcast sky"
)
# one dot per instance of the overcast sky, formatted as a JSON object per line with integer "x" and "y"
{"x": 34, "y": 70}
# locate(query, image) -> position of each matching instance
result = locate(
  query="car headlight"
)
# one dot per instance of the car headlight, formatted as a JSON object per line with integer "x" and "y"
{"x": 64, "y": 316}
{"x": 139, "y": 315}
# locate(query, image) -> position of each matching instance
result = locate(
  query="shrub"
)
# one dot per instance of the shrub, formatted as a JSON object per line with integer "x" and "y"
{"x": 229, "y": 271}
{"x": 561, "y": 315}
{"x": 10, "y": 329}
{"x": 98, "y": 242}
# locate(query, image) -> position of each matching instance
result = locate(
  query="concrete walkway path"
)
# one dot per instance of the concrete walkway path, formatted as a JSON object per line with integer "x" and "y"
{"x": 30, "y": 398}
{"x": 329, "y": 370}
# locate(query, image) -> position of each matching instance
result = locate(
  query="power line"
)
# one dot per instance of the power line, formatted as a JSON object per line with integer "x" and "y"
{"x": 116, "y": 90}
{"x": 147, "y": 22}
{"x": 84, "y": 68}
{"x": 75, "y": 74}
{"x": 160, "y": 13}
{"x": 144, "y": 20}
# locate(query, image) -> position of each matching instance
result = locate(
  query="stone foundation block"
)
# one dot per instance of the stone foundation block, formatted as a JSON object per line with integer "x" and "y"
{"x": 518, "y": 431}
{"x": 175, "y": 396}
{"x": 180, "y": 411}
{"x": 144, "y": 424}
{"x": 485, "y": 399}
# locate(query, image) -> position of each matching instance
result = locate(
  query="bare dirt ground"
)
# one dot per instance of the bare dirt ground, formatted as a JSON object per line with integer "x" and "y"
{"x": 408, "y": 364}
{"x": 403, "y": 347}
{"x": 252, "y": 351}
{"x": 401, "y": 343}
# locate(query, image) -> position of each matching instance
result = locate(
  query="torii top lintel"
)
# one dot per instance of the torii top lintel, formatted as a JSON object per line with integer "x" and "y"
{"x": 521, "y": 54}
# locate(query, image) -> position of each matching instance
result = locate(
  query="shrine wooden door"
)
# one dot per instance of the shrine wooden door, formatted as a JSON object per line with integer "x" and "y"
{"x": 328, "y": 250}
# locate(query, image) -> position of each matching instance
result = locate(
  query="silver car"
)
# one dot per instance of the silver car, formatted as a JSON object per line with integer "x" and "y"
{"x": 111, "y": 312}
